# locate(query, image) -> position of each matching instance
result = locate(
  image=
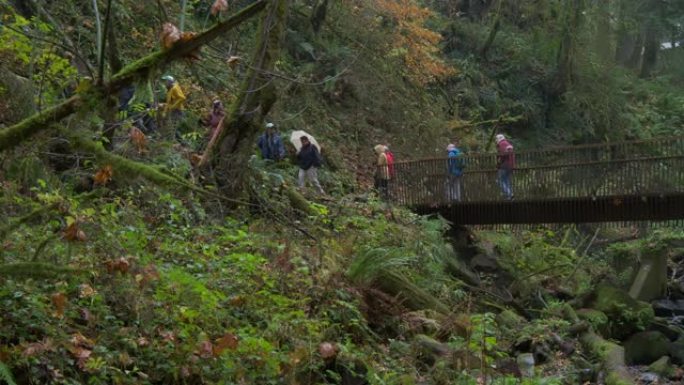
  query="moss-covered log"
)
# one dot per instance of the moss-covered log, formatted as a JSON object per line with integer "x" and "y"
{"x": 611, "y": 355}
{"x": 141, "y": 68}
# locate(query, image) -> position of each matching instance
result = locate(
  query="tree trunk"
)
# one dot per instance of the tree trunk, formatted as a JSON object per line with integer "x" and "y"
{"x": 603, "y": 36}
{"x": 566, "y": 49}
{"x": 634, "y": 59}
{"x": 651, "y": 46}
{"x": 236, "y": 141}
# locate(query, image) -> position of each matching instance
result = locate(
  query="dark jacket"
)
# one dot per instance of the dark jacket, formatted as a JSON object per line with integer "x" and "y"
{"x": 271, "y": 146}
{"x": 308, "y": 157}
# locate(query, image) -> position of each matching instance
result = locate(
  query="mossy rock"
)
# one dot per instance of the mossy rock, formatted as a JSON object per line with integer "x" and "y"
{"x": 16, "y": 97}
{"x": 626, "y": 315}
{"x": 662, "y": 367}
{"x": 596, "y": 318}
{"x": 646, "y": 347}
{"x": 508, "y": 319}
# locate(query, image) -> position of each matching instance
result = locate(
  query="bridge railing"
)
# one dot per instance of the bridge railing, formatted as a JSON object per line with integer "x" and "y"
{"x": 645, "y": 167}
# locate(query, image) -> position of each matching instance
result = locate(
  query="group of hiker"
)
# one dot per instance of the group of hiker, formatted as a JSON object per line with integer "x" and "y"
{"x": 455, "y": 164}
{"x": 308, "y": 155}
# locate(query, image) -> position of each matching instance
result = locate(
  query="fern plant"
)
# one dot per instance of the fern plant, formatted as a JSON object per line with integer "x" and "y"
{"x": 6, "y": 374}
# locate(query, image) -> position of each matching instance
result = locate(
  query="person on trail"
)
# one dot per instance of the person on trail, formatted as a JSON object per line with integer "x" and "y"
{"x": 175, "y": 98}
{"x": 505, "y": 163}
{"x": 390, "y": 161}
{"x": 382, "y": 174}
{"x": 175, "y": 103}
{"x": 214, "y": 118}
{"x": 455, "y": 172}
{"x": 271, "y": 145}
{"x": 309, "y": 160}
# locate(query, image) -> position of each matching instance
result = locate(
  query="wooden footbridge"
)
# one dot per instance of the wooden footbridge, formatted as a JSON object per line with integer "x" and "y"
{"x": 614, "y": 182}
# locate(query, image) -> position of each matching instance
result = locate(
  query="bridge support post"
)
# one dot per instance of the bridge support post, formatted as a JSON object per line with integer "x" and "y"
{"x": 651, "y": 280}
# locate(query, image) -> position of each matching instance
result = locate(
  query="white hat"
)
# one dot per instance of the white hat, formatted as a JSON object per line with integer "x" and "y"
{"x": 168, "y": 78}
{"x": 451, "y": 146}
{"x": 499, "y": 138}
{"x": 270, "y": 125}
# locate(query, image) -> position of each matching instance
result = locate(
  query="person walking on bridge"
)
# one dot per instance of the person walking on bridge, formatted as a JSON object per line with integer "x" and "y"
{"x": 455, "y": 168}
{"x": 505, "y": 163}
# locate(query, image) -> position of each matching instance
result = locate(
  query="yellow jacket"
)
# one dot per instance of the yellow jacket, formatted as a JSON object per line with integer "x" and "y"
{"x": 174, "y": 98}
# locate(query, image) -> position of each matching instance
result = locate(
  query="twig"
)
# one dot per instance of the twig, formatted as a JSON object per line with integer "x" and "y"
{"x": 584, "y": 254}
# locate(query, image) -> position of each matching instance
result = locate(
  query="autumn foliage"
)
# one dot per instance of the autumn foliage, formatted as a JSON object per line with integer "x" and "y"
{"x": 416, "y": 44}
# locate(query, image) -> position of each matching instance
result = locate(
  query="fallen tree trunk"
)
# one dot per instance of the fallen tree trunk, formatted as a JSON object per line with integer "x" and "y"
{"x": 611, "y": 355}
{"x": 139, "y": 69}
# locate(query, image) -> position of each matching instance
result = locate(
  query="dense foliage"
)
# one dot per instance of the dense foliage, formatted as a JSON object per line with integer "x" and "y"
{"x": 124, "y": 261}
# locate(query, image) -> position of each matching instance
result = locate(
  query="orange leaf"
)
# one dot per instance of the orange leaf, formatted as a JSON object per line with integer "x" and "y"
{"x": 138, "y": 139}
{"x": 169, "y": 35}
{"x": 121, "y": 265}
{"x": 228, "y": 341}
{"x": 103, "y": 175}
{"x": 59, "y": 301}
{"x": 219, "y": 6}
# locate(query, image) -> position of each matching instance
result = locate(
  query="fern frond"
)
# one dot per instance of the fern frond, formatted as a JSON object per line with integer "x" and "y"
{"x": 6, "y": 374}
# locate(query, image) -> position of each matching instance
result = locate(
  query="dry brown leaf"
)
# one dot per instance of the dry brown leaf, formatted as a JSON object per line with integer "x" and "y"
{"x": 233, "y": 61}
{"x": 103, "y": 175}
{"x": 86, "y": 291}
{"x": 170, "y": 34}
{"x": 142, "y": 341}
{"x": 228, "y": 341}
{"x": 138, "y": 139}
{"x": 59, "y": 301}
{"x": 79, "y": 340}
{"x": 327, "y": 350}
{"x": 82, "y": 355}
{"x": 121, "y": 265}
{"x": 219, "y": 6}
{"x": 36, "y": 348}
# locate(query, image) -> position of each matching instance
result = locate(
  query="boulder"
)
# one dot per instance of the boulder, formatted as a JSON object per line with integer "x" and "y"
{"x": 676, "y": 351}
{"x": 668, "y": 308}
{"x": 646, "y": 347}
{"x": 662, "y": 367}
{"x": 626, "y": 314}
{"x": 596, "y": 318}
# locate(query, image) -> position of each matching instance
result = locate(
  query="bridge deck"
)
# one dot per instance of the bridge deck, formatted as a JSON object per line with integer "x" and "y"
{"x": 617, "y": 182}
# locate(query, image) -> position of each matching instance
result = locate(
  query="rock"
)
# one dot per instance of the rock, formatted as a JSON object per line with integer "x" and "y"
{"x": 509, "y": 319}
{"x": 645, "y": 347}
{"x": 668, "y": 308}
{"x": 651, "y": 279}
{"x": 648, "y": 378}
{"x": 484, "y": 262}
{"x": 676, "y": 350}
{"x": 662, "y": 367}
{"x": 672, "y": 332}
{"x": 526, "y": 364}
{"x": 626, "y": 314}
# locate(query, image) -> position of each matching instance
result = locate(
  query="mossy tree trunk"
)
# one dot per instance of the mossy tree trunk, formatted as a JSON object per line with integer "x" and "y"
{"x": 257, "y": 95}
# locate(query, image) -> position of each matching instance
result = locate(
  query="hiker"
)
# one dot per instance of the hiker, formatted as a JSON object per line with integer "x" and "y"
{"x": 175, "y": 100}
{"x": 309, "y": 160}
{"x": 381, "y": 171}
{"x": 505, "y": 163}
{"x": 455, "y": 168}
{"x": 271, "y": 145}
{"x": 214, "y": 118}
